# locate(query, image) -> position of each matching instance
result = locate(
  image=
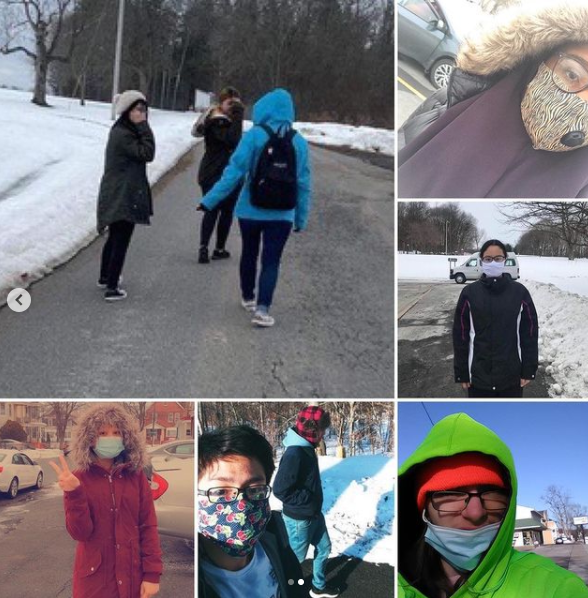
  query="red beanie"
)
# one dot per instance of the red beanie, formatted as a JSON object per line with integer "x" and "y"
{"x": 462, "y": 470}
{"x": 309, "y": 421}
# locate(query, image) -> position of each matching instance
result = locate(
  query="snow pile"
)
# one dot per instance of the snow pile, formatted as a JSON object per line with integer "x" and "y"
{"x": 358, "y": 506}
{"x": 52, "y": 161}
{"x": 563, "y": 343}
{"x": 368, "y": 139}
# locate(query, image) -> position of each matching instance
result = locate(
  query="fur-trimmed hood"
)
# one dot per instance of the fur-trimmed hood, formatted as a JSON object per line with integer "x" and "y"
{"x": 530, "y": 32}
{"x": 85, "y": 434}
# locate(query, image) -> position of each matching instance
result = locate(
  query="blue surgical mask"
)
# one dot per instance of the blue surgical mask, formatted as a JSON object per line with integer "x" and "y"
{"x": 109, "y": 447}
{"x": 462, "y": 548}
{"x": 493, "y": 269}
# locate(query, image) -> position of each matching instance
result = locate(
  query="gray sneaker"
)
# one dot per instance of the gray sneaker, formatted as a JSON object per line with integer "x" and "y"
{"x": 262, "y": 319}
{"x": 248, "y": 305}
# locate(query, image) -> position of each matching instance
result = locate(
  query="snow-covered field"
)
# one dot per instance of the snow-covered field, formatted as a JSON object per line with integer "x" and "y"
{"x": 358, "y": 506}
{"x": 559, "y": 288}
{"x": 52, "y": 161}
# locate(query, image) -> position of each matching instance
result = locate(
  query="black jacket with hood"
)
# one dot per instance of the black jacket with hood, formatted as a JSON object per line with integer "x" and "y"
{"x": 495, "y": 334}
{"x": 222, "y": 134}
{"x": 298, "y": 481}
{"x": 275, "y": 543}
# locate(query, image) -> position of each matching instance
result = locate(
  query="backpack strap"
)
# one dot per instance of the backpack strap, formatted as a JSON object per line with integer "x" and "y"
{"x": 267, "y": 129}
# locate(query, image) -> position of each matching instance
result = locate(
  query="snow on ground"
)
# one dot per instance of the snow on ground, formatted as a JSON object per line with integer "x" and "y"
{"x": 36, "y": 454}
{"x": 52, "y": 161}
{"x": 368, "y": 139}
{"x": 358, "y": 506}
{"x": 559, "y": 288}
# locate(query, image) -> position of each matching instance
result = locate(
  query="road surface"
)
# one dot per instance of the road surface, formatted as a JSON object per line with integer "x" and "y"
{"x": 182, "y": 333}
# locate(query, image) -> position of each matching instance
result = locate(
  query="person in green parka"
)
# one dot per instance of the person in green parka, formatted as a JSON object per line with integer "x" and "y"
{"x": 456, "y": 512}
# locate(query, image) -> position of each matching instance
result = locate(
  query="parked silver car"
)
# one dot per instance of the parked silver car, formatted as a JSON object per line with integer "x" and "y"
{"x": 431, "y": 31}
{"x": 18, "y": 471}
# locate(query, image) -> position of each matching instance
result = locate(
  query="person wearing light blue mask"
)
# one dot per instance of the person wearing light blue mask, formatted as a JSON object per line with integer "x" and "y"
{"x": 457, "y": 503}
{"x": 495, "y": 331}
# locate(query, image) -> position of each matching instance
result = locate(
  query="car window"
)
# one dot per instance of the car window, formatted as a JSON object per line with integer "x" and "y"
{"x": 2, "y": 457}
{"x": 185, "y": 449}
{"x": 26, "y": 460}
{"x": 509, "y": 262}
{"x": 421, "y": 9}
{"x": 472, "y": 263}
{"x": 17, "y": 460}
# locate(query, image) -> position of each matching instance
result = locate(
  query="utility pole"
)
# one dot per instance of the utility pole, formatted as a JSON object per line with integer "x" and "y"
{"x": 118, "y": 54}
{"x": 446, "y": 236}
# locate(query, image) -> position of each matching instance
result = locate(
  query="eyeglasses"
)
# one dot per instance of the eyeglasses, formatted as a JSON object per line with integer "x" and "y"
{"x": 141, "y": 108}
{"x": 229, "y": 494}
{"x": 488, "y": 259}
{"x": 456, "y": 502}
{"x": 570, "y": 74}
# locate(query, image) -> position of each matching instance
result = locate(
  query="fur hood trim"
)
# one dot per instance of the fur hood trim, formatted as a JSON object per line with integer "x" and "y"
{"x": 85, "y": 434}
{"x": 524, "y": 33}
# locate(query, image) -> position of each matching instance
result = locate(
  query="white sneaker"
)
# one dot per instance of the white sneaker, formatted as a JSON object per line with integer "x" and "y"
{"x": 116, "y": 295}
{"x": 262, "y": 319}
{"x": 248, "y": 305}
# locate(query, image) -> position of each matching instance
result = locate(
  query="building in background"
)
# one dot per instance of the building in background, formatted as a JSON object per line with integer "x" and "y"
{"x": 167, "y": 421}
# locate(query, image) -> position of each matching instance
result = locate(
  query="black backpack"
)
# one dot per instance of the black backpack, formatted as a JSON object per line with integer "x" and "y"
{"x": 274, "y": 185}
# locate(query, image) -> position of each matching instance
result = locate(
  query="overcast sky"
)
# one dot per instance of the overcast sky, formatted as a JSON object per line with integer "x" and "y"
{"x": 492, "y": 221}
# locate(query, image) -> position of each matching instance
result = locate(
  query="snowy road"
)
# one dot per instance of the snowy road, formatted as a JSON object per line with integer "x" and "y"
{"x": 36, "y": 552}
{"x": 425, "y": 347}
{"x": 182, "y": 333}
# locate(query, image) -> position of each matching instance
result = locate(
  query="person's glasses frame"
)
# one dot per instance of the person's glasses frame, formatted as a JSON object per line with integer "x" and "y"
{"x": 485, "y": 497}
{"x": 563, "y": 56}
{"x": 488, "y": 259}
{"x": 220, "y": 493}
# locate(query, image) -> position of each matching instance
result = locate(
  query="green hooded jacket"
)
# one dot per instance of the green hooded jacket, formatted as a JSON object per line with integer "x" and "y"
{"x": 503, "y": 572}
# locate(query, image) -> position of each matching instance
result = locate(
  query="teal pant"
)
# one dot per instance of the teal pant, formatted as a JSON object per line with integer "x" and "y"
{"x": 303, "y": 533}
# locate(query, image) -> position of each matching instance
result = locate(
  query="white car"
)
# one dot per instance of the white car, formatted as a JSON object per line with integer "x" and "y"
{"x": 471, "y": 269}
{"x": 172, "y": 485}
{"x": 18, "y": 471}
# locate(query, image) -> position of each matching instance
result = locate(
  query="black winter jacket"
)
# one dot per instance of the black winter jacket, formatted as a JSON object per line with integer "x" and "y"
{"x": 284, "y": 562}
{"x": 298, "y": 483}
{"x": 221, "y": 136}
{"x": 124, "y": 190}
{"x": 461, "y": 86}
{"x": 495, "y": 334}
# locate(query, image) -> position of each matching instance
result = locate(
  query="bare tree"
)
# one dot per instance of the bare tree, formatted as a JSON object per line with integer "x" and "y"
{"x": 45, "y": 19}
{"x": 137, "y": 410}
{"x": 62, "y": 414}
{"x": 561, "y": 506}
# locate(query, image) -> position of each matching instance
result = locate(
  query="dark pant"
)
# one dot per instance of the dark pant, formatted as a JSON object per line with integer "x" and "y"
{"x": 223, "y": 214}
{"x": 514, "y": 392}
{"x": 115, "y": 251}
{"x": 274, "y": 234}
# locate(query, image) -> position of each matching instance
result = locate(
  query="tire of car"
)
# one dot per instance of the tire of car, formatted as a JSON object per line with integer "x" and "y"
{"x": 39, "y": 483}
{"x": 460, "y": 278}
{"x": 440, "y": 72}
{"x": 13, "y": 488}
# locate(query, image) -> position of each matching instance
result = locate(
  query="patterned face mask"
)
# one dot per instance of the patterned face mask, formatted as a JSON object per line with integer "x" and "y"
{"x": 234, "y": 526}
{"x": 556, "y": 121}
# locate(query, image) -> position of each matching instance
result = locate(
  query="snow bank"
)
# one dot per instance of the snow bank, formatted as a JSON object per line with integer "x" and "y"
{"x": 559, "y": 288}
{"x": 36, "y": 454}
{"x": 52, "y": 161}
{"x": 358, "y": 506}
{"x": 368, "y": 139}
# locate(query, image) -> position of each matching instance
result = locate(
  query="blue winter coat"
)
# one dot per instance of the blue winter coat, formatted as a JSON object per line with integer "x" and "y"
{"x": 275, "y": 109}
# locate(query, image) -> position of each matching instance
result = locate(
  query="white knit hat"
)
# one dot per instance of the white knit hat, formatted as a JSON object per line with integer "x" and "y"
{"x": 124, "y": 100}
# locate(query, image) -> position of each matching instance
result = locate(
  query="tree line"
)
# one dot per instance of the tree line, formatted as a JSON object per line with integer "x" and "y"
{"x": 336, "y": 56}
{"x": 437, "y": 228}
{"x": 359, "y": 426}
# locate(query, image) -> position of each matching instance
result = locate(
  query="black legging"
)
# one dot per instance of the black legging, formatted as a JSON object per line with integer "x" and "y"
{"x": 224, "y": 214}
{"x": 115, "y": 251}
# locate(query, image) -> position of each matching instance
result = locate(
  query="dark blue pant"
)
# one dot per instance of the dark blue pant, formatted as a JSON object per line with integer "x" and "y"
{"x": 221, "y": 217}
{"x": 274, "y": 234}
{"x": 115, "y": 251}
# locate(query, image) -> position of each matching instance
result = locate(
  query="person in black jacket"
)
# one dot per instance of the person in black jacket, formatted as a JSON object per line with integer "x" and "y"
{"x": 222, "y": 128}
{"x": 495, "y": 331}
{"x": 298, "y": 486}
{"x": 125, "y": 195}
{"x": 243, "y": 545}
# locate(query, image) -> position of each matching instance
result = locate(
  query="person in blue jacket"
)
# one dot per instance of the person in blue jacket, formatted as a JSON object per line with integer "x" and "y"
{"x": 272, "y": 227}
{"x": 298, "y": 485}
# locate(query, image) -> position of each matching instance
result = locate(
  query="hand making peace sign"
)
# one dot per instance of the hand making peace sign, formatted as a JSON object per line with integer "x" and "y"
{"x": 65, "y": 478}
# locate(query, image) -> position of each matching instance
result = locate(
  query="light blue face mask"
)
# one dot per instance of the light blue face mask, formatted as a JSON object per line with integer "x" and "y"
{"x": 493, "y": 269}
{"x": 109, "y": 447}
{"x": 462, "y": 548}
